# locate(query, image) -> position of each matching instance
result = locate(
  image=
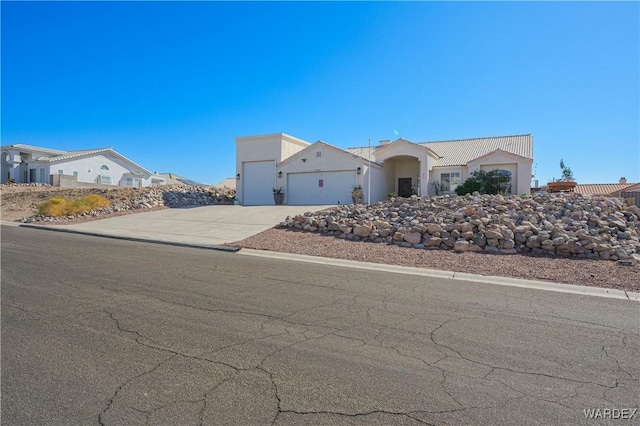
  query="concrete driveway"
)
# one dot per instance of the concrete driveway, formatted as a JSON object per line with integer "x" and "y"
{"x": 195, "y": 225}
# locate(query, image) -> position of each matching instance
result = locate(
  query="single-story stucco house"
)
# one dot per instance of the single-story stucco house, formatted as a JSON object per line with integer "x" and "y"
{"x": 93, "y": 167}
{"x": 319, "y": 173}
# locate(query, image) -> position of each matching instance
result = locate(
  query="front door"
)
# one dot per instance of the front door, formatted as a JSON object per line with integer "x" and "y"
{"x": 404, "y": 187}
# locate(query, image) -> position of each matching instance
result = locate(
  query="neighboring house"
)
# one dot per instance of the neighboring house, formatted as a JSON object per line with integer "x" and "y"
{"x": 628, "y": 191}
{"x": 609, "y": 189}
{"x": 95, "y": 167}
{"x": 226, "y": 183}
{"x": 174, "y": 179}
{"x": 320, "y": 173}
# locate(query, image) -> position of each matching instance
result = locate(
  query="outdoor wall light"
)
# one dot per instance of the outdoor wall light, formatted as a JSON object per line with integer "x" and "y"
{"x": 359, "y": 170}
{"x": 304, "y": 160}
{"x": 279, "y": 174}
{"x": 238, "y": 176}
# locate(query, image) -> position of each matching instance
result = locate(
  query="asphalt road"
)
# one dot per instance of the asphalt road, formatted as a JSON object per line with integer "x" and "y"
{"x": 102, "y": 331}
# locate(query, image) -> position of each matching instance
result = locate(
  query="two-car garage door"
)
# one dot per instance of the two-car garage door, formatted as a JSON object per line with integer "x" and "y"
{"x": 320, "y": 187}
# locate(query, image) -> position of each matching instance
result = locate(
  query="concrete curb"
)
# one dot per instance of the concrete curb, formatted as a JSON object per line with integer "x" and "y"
{"x": 6, "y": 223}
{"x": 229, "y": 249}
{"x": 459, "y": 276}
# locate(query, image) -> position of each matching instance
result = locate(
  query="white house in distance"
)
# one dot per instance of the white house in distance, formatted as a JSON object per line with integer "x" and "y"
{"x": 95, "y": 167}
{"x": 319, "y": 173}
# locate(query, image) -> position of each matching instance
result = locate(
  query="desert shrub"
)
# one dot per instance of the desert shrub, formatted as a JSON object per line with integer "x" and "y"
{"x": 60, "y": 206}
{"x": 492, "y": 182}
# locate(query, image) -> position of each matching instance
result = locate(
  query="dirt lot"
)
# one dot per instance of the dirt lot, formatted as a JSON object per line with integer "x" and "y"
{"x": 19, "y": 201}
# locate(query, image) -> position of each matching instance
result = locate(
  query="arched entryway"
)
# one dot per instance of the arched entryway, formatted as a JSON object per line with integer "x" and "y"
{"x": 406, "y": 167}
{"x": 402, "y": 175}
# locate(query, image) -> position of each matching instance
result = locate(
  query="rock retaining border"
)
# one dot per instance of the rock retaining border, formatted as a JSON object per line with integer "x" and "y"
{"x": 174, "y": 196}
{"x": 594, "y": 227}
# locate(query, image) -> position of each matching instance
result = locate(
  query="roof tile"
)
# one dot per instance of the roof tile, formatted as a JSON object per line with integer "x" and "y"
{"x": 460, "y": 151}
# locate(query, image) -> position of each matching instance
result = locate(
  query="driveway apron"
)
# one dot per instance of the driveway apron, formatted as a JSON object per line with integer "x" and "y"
{"x": 195, "y": 225}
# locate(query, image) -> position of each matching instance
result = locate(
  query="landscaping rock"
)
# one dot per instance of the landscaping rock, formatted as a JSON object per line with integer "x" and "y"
{"x": 551, "y": 224}
{"x": 123, "y": 199}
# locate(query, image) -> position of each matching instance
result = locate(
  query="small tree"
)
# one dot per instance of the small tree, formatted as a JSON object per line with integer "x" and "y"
{"x": 567, "y": 173}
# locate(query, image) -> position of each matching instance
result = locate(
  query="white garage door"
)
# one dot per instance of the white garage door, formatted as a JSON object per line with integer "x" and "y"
{"x": 321, "y": 187}
{"x": 258, "y": 179}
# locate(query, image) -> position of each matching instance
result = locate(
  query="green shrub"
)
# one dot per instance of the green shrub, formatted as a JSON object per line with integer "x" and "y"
{"x": 492, "y": 182}
{"x": 60, "y": 206}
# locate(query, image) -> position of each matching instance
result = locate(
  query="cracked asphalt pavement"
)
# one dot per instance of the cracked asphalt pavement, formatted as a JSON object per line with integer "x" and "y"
{"x": 103, "y": 331}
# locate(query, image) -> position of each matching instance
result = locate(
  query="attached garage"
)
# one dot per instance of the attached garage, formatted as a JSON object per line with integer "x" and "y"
{"x": 258, "y": 181}
{"x": 315, "y": 188}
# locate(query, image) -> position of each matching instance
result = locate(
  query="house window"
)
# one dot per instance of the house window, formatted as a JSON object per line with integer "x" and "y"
{"x": 105, "y": 180}
{"x": 449, "y": 181}
{"x": 60, "y": 172}
{"x": 75, "y": 175}
{"x": 318, "y": 154}
{"x": 104, "y": 167}
{"x": 42, "y": 177}
{"x": 129, "y": 182}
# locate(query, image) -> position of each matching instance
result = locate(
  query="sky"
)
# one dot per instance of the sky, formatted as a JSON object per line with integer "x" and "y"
{"x": 170, "y": 85}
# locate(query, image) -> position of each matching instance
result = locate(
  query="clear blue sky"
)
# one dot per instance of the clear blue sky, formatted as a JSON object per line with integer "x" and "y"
{"x": 170, "y": 85}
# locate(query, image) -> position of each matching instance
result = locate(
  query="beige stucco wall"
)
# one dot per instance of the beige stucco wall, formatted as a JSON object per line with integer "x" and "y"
{"x": 390, "y": 181}
{"x": 290, "y": 146}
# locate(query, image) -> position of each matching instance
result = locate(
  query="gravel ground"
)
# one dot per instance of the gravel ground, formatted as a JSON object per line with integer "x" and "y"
{"x": 596, "y": 273}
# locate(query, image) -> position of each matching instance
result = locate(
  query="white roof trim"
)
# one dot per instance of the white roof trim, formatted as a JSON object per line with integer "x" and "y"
{"x": 32, "y": 148}
{"x": 412, "y": 145}
{"x": 498, "y": 151}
